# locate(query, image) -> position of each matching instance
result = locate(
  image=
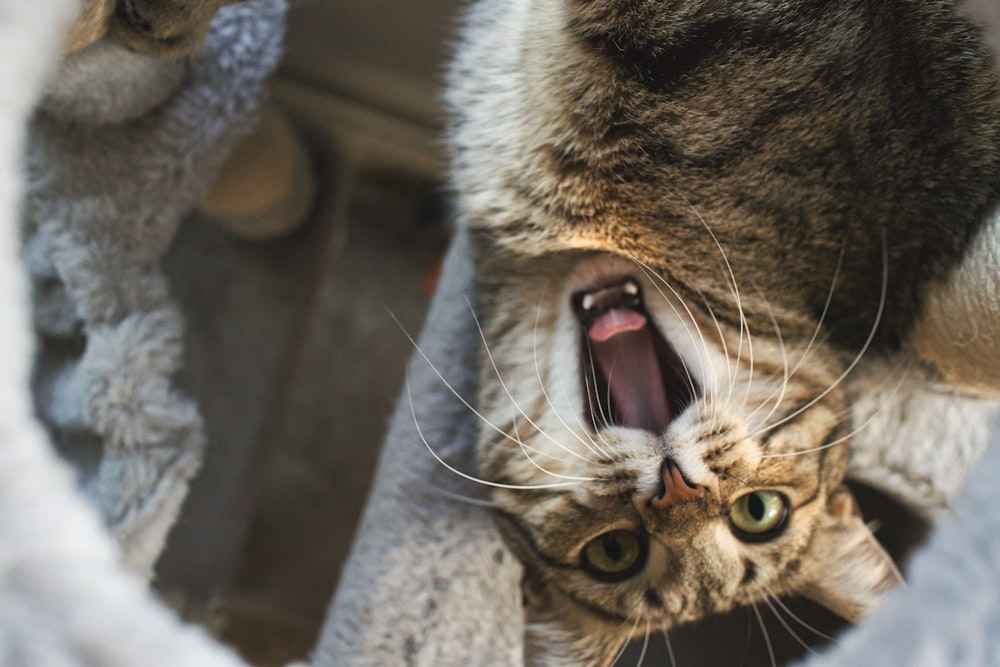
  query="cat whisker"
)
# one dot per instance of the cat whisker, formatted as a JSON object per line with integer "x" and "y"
{"x": 901, "y": 371}
{"x": 472, "y": 478}
{"x": 670, "y": 649}
{"x": 597, "y": 411}
{"x": 725, "y": 352}
{"x": 597, "y": 439}
{"x": 781, "y": 619}
{"x": 655, "y": 278}
{"x": 629, "y": 635}
{"x": 767, "y": 636}
{"x": 779, "y": 394}
{"x": 645, "y": 645}
{"x": 792, "y": 615}
{"x": 857, "y": 357}
{"x": 822, "y": 317}
{"x": 465, "y": 500}
{"x": 454, "y": 392}
{"x": 744, "y": 323}
{"x": 528, "y": 450}
{"x": 592, "y": 446}
{"x": 742, "y": 481}
{"x": 827, "y": 445}
{"x": 525, "y": 447}
{"x": 513, "y": 401}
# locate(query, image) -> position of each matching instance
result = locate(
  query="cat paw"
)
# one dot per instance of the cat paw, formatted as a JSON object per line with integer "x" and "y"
{"x": 162, "y": 28}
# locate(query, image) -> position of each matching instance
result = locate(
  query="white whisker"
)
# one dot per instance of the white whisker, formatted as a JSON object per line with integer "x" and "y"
{"x": 797, "y": 619}
{"x": 822, "y": 317}
{"x": 624, "y": 646}
{"x": 788, "y": 628}
{"x": 645, "y": 646}
{"x": 827, "y": 445}
{"x": 515, "y": 404}
{"x": 744, "y": 324}
{"x": 471, "y": 478}
{"x": 465, "y": 500}
{"x": 857, "y": 358}
{"x": 767, "y": 637}
{"x": 779, "y": 394}
{"x": 670, "y": 649}
{"x": 454, "y": 392}
{"x": 591, "y": 446}
{"x": 655, "y": 278}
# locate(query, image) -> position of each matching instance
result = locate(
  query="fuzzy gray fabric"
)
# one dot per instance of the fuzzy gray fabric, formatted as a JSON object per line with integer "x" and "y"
{"x": 121, "y": 147}
{"x": 65, "y": 599}
{"x": 428, "y": 581}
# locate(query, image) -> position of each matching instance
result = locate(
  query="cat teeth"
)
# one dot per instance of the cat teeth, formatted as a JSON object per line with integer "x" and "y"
{"x": 631, "y": 298}
{"x": 593, "y": 303}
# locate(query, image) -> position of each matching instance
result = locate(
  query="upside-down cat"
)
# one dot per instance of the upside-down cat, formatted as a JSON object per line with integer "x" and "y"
{"x": 692, "y": 219}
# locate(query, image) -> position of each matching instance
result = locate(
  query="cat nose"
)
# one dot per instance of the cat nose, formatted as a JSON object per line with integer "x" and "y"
{"x": 676, "y": 489}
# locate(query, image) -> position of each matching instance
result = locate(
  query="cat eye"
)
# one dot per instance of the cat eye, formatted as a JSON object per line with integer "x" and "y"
{"x": 759, "y": 515}
{"x": 615, "y": 555}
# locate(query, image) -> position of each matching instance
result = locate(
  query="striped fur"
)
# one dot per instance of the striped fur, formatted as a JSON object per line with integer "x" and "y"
{"x": 786, "y": 180}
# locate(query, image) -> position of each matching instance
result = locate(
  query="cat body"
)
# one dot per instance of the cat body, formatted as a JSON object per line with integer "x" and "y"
{"x": 692, "y": 222}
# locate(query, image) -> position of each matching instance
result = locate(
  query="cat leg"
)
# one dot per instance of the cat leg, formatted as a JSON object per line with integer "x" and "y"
{"x": 163, "y": 28}
{"x": 958, "y": 328}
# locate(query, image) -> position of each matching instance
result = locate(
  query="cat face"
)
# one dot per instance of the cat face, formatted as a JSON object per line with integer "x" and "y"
{"x": 654, "y": 467}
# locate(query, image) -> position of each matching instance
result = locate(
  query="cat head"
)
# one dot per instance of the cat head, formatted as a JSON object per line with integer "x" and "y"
{"x": 652, "y": 468}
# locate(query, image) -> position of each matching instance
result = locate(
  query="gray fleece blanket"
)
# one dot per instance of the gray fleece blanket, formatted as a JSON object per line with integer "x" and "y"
{"x": 101, "y": 154}
{"x": 429, "y": 582}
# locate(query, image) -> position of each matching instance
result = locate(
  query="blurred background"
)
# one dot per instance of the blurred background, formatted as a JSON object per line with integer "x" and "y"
{"x": 294, "y": 434}
{"x": 296, "y": 346}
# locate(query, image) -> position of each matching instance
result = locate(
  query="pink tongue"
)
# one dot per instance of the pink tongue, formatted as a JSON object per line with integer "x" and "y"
{"x": 622, "y": 345}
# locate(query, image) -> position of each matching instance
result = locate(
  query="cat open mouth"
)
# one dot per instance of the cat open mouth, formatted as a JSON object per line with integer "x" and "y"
{"x": 631, "y": 374}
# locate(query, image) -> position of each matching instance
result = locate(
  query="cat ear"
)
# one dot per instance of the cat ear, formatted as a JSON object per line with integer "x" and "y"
{"x": 557, "y": 634}
{"x": 958, "y": 326}
{"x": 848, "y": 571}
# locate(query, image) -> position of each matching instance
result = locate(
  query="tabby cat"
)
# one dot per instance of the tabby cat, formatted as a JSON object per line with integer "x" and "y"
{"x": 692, "y": 219}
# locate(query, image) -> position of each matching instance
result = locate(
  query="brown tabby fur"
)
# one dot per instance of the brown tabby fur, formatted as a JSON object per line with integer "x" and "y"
{"x": 159, "y": 28}
{"x": 784, "y": 180}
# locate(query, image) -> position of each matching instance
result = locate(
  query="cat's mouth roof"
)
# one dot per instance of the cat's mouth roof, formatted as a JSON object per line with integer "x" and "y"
{"x": 631, "y": 375}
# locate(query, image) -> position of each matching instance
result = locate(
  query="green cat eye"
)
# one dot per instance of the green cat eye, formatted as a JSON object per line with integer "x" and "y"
{"x": 759, "y": 515}
{"x": 615, "y": 555}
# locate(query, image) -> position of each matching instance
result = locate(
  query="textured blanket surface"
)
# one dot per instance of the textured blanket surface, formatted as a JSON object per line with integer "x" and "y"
{"x": 121, "y": 147}
{"x": 105, "y": 187}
